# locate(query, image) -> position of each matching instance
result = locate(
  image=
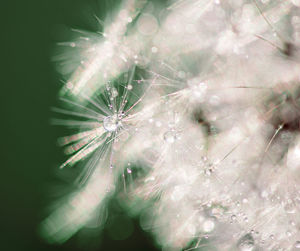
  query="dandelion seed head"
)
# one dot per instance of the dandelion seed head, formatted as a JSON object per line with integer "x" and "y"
{"x": 202, "y": 101}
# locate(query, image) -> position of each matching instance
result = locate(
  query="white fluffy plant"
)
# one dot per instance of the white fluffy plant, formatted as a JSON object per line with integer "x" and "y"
{"x": 202, "y": 98}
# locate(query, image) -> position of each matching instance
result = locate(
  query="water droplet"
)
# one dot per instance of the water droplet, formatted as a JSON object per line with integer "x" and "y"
{"x": 177, "y": 194}
{"x": 171, "y": 124}
{"x": 147, "y": 24}
{"x": 290, "y": 208}
{"x": 170, "y": 136}
{"x": 245, "y": 201}
{"x": 203, "y": 159}
{"x": 208, "y": 171}
{"x": 129, "y": 170}
{"x": 246, "y": 243}
{"x": 154, "y": 49}
{"x": 297, "y": 245}
{"x": 217, "y": 212}
{"x": 70, "y": 85}
{"x": 158, "y": 124}
{"x": 181, "y": 74}
{"x": 114, "y": 92}
{"x": 111, "y": 123}
{"x": 129, "y": 87}
{"x": 214, "y": 100}
{"x": 208, "y": 225}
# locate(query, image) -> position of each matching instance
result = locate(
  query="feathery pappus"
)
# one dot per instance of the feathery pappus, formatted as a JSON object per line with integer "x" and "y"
{"x": 188, "y": 112}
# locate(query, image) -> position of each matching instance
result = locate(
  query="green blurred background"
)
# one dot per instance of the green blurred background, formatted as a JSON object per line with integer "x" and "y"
{"x": 30, "y": 156}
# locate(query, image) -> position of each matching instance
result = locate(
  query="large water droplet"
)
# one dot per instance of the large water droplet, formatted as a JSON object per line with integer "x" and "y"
{"x": 111, "y": 123}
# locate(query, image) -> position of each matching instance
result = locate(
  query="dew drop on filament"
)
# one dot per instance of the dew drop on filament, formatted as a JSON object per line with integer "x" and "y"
{"x": 208, "y": 226}
{"x": 114, "y": 92}
{"x": 246, "y": 243}
{"x": 233, "y": 217}
{"x": 170, "y": 137}
{"x": 111, "y": 123}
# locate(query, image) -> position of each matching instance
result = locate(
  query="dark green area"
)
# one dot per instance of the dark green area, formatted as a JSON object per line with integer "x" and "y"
{"x": 30, "y": 156}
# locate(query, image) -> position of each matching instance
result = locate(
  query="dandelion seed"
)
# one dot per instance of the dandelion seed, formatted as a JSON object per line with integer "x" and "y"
{"x": 195, "y": 112}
